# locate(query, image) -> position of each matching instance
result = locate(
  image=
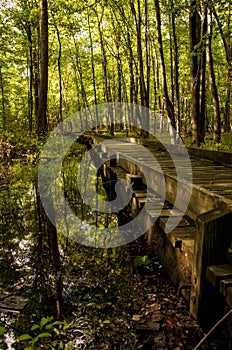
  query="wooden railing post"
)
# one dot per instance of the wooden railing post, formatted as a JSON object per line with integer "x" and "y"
{"x": 213, "y": 236}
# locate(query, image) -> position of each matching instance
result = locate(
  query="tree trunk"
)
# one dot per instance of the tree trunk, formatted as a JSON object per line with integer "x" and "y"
{"x": 202, "y": 76}
{"x": 226, "y": 38}
{"x": 80, "y": 72}
{"x": 93, "y": 72}
{"x": 194, "y": 23}
{"x": 143, "y": 93}
{"x": 30, "y": 93}
{"x": 36, "y": 59}
{"x": 228, "y": 98}
{"x": 176, "y": 73}
{"x": 60, "y": 75}
{"x": 216, "y": 107}
{"x": 157, "y": 78}
{"x": 168, "y": 104}
{"x": 42, "y": 126}
{"x": 107, "y": 91}
{"x": 3, "y": 100}
{"x": 148, "y": 57}
{"x": 171, "y": 58}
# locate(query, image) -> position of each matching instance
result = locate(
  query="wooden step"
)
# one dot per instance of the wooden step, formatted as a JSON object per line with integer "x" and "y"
{"x": 217, "y": 273}
{"x": 165, "y": 213}
{"x": 140, "y": 193}
{"x": 224, "y": 284}
{"x": 182, "y": 236}
{"x": 153, "y": 203}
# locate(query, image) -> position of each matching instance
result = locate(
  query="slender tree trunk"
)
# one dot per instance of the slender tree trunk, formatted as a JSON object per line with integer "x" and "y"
{"x": 171, "y": 58}
{"x": 36, "y": 58}
{"x": 133, "y": 93}
{"x": 195, "y": 72}
{"x": 154, "y": 83}
{"x": 226, "y": 38}
{"x": 216, "y": 107}
{"x": 168, "y": 104}
{"x": 202, "y": 76}
{"x": 119, "y": 85}
{"x": 93, "y": 72}
{"x": 36, "y": 89}
{"x": 80, "y": 72}
{"x": 3, "y": 100}
{"x": 60, "y": 75}
{"x": 148, "y": 57}
{"x": 31, "y": 78}
{"x": 176, "y": 74}
{"x": 157, "y": 77}
{"x": 107, "y": 90}
{"x": 227, "y": 108}
{"x": 42, "y": 126}
{"x": 137, "y": 20}
{"x": 143, "y": 91}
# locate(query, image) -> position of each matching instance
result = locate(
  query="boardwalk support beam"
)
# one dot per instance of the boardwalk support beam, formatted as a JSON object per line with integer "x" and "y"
{"x": 213, "y": 236}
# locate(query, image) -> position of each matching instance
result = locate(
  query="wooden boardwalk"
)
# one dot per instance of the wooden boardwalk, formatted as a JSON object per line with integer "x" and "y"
{"x": 208, "y": 243}
{"x": 212, "y": 184}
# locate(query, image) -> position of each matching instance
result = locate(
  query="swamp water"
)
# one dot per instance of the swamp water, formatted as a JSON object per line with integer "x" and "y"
{"x": 44, "y": 273}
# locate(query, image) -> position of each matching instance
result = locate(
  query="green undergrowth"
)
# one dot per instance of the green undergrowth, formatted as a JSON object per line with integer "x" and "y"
{"x": 225, "y": 145}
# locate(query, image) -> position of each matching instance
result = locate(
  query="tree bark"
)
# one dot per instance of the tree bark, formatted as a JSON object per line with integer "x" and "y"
{"x": 3, "y": 100}
{"x": 60, "y": 75}
{"x": 168, "y": 104}
{"x": 194, "y": 23}
{"x": 31, "y": 77}
{"x": 93, "y": 72}
{"x": 42, "y": 126}
{"x": 107, "y": 90}
{"x": 171, "y": 58}
{"x": 203, "y": 75}
{"x": 143, "y": 90}
{"x": 226, "y": 38}
{"x": 216, "y": 107}
{"x": 176, "y": 73}
{"x": 80, "y": 72}
{"x": 36, "y": 59}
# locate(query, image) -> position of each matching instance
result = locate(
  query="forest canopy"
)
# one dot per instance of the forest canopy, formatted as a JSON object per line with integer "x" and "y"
{"x": 174, "y": 57}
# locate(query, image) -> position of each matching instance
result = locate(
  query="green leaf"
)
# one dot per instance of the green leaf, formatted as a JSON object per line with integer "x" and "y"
{"x": 56, "y": 331}
{"x": 24, "y": 337}
{"x": 49, "y": 326}
{"x": 34, "y": 327}
{"x": 44, "y": 335}
{"x": 34, "y": 340}
{"x": 106, "y": 321}
{"x": 2, "y": 330}
{"x": 43, "y": 321}
{"x": 61, "y": 345}
{"x": 58, "y": 323}
{"x": 141, "y": 260}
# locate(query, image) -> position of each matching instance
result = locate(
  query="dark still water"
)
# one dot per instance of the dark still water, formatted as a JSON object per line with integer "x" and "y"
{"x": 46, "y": 273}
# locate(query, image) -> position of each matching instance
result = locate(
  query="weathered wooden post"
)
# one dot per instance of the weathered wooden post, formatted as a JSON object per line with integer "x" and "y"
{"x": 213, "y": 236}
